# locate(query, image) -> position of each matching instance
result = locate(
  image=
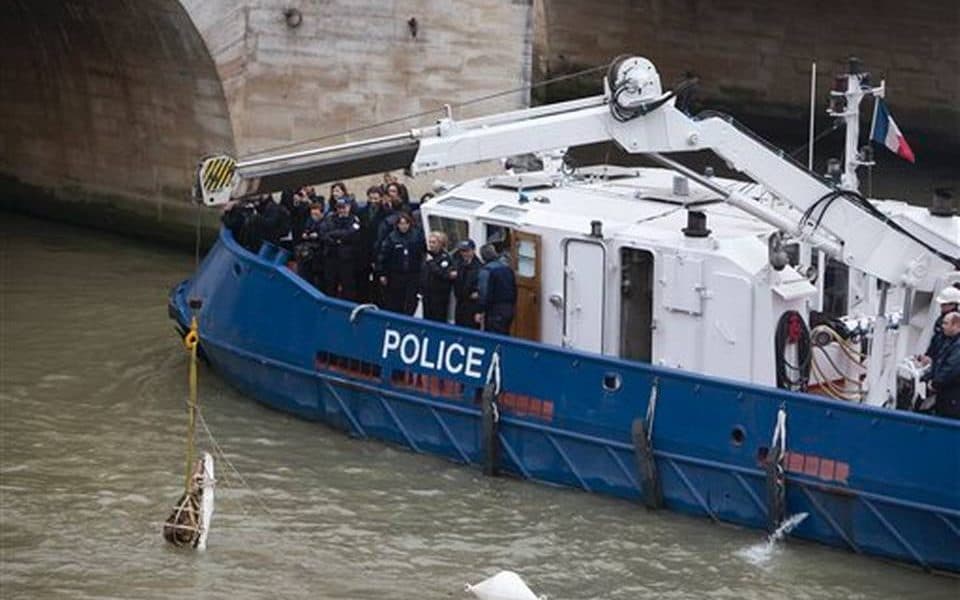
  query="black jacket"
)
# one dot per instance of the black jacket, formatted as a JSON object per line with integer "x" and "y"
{"x": 341, "y": 237}
{"x": 497, "y": 285}
{"x": 938, "y": 339}
{"x": 400, "y": 253}
{"x": 435, "y": 276}
{"x": 274, "y": 221}
{"x": 467, "y": 281}
{"x": 945, "y": 372}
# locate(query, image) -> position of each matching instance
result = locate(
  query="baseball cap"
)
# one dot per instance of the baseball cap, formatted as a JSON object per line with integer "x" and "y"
{"x": 466, "y": 244}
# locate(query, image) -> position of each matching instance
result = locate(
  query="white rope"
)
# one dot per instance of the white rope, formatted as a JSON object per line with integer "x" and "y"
{"x": 223, "y": 456}
{"x": 780, "y": 433}
{"x": 360, "y": 308}
{"x": 493, "y": 372}
{"x": 652, "y": 406}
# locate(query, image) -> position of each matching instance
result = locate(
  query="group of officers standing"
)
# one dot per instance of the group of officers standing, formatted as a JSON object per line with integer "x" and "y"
{"x": 373, "y": 249}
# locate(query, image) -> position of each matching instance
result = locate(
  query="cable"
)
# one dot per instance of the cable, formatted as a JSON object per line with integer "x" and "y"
{"x": 427, "y": 113}
{"x": 624, "y": 114}
{"x": 836, "y": 125}
{"x": 788, "y": 320}
{"x": 833, "y": 364}
{"x": 857, "y": 199}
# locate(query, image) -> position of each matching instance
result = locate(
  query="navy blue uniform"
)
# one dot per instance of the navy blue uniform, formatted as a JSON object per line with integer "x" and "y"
{"x": 435, "y": 285}
{"x": 309, "y": 252}
{"x": 467, "y": 292}
{"x": 498, "y": 295}
{"x": 243, "y": 222}
{"x": 945, "y": 377}
{"x": 341, "y": 241}
{"x": 938, "y": 339}
{"x": 275, "y": 224}
{"x": 399, "y": 260}
{"x": 299, "y": 210}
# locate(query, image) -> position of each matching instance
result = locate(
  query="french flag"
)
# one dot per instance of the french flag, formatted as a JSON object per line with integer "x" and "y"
{"x": 886, "y": 133}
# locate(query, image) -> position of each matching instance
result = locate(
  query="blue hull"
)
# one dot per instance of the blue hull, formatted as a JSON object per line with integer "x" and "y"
{"x": 873, "y": 481}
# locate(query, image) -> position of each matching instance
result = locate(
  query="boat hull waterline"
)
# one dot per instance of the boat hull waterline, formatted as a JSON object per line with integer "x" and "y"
{"x": 875, "y": 481}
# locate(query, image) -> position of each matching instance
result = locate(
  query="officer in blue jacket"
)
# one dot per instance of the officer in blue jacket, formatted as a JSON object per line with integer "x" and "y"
{"x": 498, "y": 292}
{"x": 341, "y": 240}
{"x": 436, "y": 278}
{"x": 398, "y": 265}
{"x": 309, "y": 250}
{"x": 949, "y": 301}
{"x": 945, "y": 373}
{"x": 465, "y": 286}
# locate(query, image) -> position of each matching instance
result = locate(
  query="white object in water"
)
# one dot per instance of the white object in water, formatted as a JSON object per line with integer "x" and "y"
{"x": 505, "y": 585}
{"x": 206, "y": 500}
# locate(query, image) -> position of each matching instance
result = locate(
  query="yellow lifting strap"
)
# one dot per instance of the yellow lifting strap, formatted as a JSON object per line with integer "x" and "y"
{"x": 190, "y": 342}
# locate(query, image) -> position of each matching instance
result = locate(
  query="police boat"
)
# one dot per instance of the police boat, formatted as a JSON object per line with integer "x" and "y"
{"x": 735, "y": 348}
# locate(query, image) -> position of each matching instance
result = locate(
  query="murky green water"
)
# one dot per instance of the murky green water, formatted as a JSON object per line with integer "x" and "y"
{"x": 92, "y": 419}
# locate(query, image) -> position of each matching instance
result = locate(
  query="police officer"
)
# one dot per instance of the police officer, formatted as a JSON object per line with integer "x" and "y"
{"x": 398, "y": 266}
{"x": 949, "y": 301}
{"x": 309, "y": 250}
{"x": 341, "y": 238}
{"x": 436, "y": 278}
{"x": 367, "y": 210}
{"x": 944, "y": 375}
{"x": 297, "y": 203}
{"x": 497, "y": 287}
{"x": 465, "y": 286}
{"x": 392, "y": 207}
{"x": 240, "y": 217}
{"x": 274, "y": 222}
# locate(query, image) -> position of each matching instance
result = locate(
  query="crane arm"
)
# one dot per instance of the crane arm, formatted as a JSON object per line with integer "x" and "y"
{"x": 637, "y": 115}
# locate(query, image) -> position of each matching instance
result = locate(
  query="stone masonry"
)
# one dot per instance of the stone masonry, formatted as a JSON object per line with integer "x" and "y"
{"x": 753, "y": 56}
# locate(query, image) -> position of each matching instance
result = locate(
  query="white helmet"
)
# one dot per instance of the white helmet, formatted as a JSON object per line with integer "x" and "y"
{"x": 949, "y": 295}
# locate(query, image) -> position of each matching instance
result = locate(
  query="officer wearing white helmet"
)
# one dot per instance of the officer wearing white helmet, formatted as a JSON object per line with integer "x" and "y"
{"x": 949, "y": 301}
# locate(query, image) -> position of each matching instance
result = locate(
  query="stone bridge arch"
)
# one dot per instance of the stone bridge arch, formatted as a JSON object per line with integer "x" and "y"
{"x": 104, "y": 109}
{"x": 106, "y": 105}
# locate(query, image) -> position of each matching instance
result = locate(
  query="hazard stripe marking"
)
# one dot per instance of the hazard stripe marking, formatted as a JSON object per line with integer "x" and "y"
{"x": 218, "y": 173}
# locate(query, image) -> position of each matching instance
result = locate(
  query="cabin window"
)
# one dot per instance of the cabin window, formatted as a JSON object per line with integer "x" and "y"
{"x": 455, "y": 202}
{"x": 836, "y": 286}
{"x": 508, "y": 211}
{"x": 636, "y": 304}
{"x": 500, "y": 237}
{"x": 526, "y": 258}
{"x": 793, "y": 253}
{"x": 455, "y": 229}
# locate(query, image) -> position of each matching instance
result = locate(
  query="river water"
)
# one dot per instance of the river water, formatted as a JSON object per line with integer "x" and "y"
{"x": 92, "y": 430}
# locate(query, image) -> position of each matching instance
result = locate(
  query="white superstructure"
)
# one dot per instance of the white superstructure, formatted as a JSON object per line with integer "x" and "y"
{"x": 619, "y": 261}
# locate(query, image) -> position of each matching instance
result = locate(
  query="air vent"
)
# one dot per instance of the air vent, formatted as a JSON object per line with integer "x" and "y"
{"x": 520, "y": 182}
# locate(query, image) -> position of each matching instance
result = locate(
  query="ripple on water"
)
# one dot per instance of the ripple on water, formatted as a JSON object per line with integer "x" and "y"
{"x": 91, "y": 461}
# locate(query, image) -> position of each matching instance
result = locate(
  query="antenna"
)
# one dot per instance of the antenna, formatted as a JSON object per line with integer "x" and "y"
{"x": 813, "y": 118}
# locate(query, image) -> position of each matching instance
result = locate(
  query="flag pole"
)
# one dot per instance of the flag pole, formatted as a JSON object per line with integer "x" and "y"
{"x": 877, "y": 99}
{"x": 876, "y": 103}
{"x": 813, "y": 107}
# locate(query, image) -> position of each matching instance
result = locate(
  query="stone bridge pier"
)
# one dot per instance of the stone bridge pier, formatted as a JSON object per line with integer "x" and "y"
{"x": 107, "y": 105}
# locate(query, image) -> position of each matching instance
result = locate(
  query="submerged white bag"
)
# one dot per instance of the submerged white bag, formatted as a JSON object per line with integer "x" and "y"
{"x": 505, "y": 585}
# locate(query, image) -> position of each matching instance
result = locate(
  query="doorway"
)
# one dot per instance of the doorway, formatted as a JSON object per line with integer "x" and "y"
{"x": 583, "y": 293}
{"x": 636, "y": 304}
{"x": 525, "y": 259}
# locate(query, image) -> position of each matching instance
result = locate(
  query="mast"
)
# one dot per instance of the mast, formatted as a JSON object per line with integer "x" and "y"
{"x": 848, "y": 91}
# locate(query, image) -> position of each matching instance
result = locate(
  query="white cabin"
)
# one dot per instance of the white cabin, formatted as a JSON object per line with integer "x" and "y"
{"x": 604, "y": 265}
